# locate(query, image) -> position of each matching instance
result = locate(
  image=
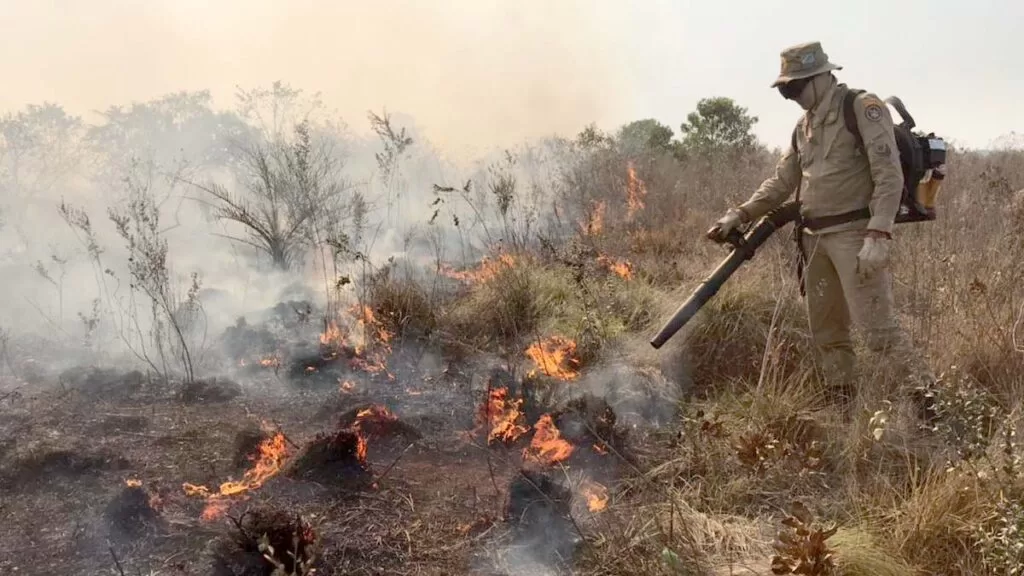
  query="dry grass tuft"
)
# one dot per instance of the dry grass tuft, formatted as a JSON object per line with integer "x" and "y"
{"x": 402, "y": 306}
{"x": 934, "y": 525}
{"x": 505, "y": 308}
{"x": 858, "y": 553}
{"x": 668, "y": 536}
{"x": 741, "y": 334}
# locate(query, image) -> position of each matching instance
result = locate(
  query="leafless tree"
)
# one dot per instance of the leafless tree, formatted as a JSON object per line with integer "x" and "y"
{"x": 292, "y": 197}
{"x": 172, "y": 313}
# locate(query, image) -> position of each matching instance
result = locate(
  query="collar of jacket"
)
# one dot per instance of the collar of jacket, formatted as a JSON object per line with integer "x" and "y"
{"x": 827, "y": 105}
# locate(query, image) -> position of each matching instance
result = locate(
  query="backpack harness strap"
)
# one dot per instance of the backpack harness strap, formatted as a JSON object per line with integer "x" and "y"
{"x": 851, "y": 117}
{"x": 798, "y": 227}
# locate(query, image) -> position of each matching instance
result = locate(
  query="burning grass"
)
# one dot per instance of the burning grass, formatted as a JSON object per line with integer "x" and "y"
{"x": 500, "y": 417}
{"x": 554, "y": 357}
{"x": 619, "y": 267}
{"x": 249, "y": 443}
{"x": 502, "y": 308}
{"x": 404, "y": 308}
{"x": 378, "y": 424}
{"x": 636, "y": 190}
{"x": 340, "y": 458}
{"x": 489, "y": 269}
{"x": 272, "y": 453}
{"x": 580, "y": 435}
{"x": 547, "y": 447}
{"x": 337, "y": 458}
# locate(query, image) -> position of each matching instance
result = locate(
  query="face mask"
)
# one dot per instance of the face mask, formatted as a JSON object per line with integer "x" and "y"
{"x": 791, "y": 90}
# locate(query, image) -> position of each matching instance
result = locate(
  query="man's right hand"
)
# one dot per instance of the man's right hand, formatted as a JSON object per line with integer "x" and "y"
{"x": 726, "y": 224}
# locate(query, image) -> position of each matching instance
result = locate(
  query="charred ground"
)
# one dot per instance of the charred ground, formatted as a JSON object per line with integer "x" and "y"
{"x": 383, "y": 470}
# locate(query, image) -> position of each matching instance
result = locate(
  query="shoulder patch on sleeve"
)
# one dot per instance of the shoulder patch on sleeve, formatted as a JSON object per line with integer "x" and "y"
{"x": 873, "y": 107}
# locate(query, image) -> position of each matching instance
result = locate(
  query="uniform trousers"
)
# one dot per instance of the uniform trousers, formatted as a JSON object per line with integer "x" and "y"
{"x": 838, "y": 301}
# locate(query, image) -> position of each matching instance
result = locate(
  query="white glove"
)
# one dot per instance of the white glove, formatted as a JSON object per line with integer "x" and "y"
{"x": 726, "y": 224}
{"x": 873, "y": 256}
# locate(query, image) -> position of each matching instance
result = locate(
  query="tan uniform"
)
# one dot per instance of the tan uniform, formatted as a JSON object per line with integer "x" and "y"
{"x": 835, "y": 177}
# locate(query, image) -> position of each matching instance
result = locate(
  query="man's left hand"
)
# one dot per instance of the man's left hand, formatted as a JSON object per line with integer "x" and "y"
{"x": 874, "y": 255}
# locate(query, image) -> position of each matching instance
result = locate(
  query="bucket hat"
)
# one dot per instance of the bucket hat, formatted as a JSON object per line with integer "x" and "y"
{"x": 802, "y": 61}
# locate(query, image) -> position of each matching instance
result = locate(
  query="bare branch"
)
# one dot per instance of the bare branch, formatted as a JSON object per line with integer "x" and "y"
{"x": 290, "y": 196}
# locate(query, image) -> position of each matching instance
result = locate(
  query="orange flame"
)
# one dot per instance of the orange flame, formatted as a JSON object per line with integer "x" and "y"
{"x": 366, "y": 318}
{"x": 379, "y": 339}
{"x": 361, "y": 448}
{"x": 556, "y": 357}
{"x": 270, "y": 361}
{"x": 621, "y": 267}
{"x": 347, "y": 386}
{"x": 366, "y": 416}
{"x": 272, "y": 453}
{"x": 372, "y": 341}
{"x": 487, "y": 270}
{"x": 635, "y": 191}
{"x": 502, "y": 416}
{"x": 194, "y": 490}
{"x": 133, "y": 483}
{"x": 332, "y": 336}
{"x": 547, "y": 445}
{"x": 374, "y": 365}
{"x": 214, "y": 510}
{"x": 377, "y": 412}
{"x": 596, "y": 494}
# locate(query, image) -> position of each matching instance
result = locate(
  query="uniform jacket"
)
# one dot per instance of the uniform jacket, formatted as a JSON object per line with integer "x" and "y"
{"x": 834, "y": 176}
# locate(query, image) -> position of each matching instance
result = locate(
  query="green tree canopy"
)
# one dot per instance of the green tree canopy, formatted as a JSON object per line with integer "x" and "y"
{"x": 592, "y": 137}
{"x": 646, "y": 135}
{"x": 718, "y": 123}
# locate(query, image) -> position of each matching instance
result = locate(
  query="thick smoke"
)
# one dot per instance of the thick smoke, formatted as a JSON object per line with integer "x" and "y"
{"x": 160, "y": 99}
{"x": 66, "y": 265}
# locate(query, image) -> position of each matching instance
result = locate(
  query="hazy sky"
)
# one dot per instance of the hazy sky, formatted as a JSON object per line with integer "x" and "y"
{"x": 484, "y": 72}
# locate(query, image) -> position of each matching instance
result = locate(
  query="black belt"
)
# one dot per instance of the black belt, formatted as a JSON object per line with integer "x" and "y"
{"x": 836, "y": 219}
